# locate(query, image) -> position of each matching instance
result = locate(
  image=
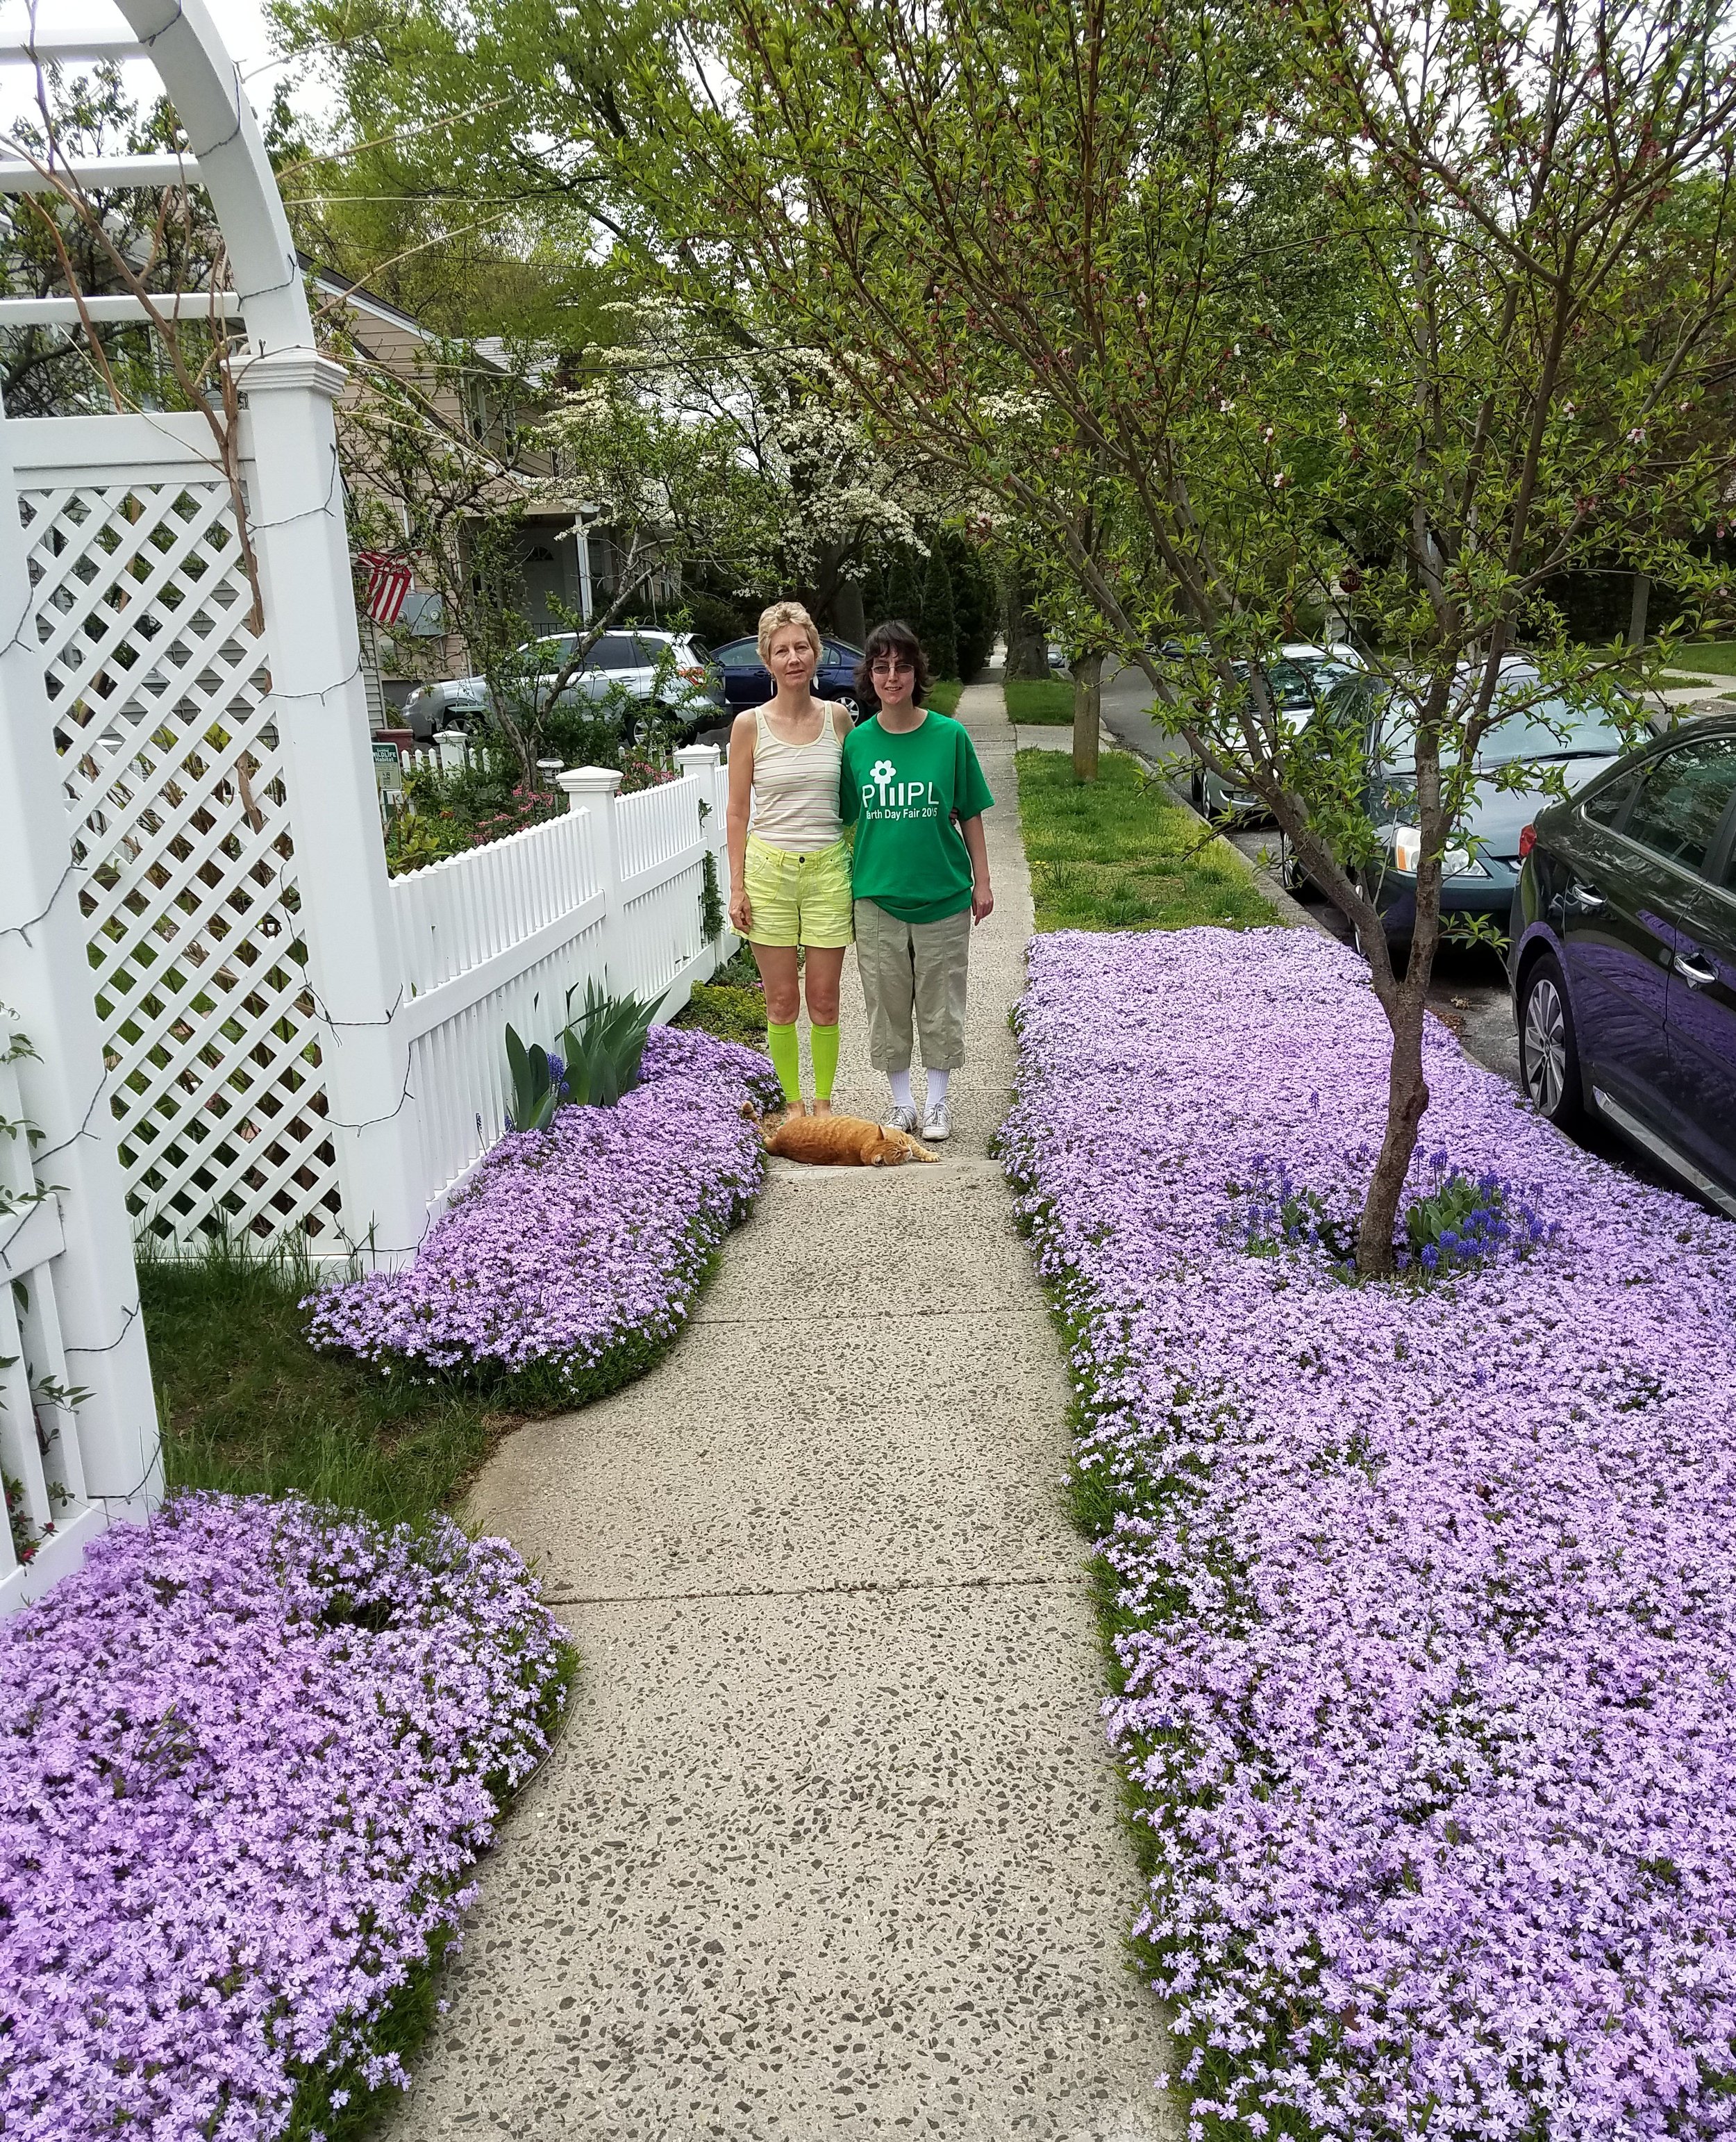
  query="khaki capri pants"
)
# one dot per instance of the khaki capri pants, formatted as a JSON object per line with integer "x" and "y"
{"x": 913, "y": 972}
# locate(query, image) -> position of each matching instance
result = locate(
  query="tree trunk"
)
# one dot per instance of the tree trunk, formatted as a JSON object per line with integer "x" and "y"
{"x": 849, "y": 618}
{"x": 1642, "y": 603}
{"x": 1027, "y": 643}
{"x": 1087, "y": 710}
{"x": 1406, "y": 1100}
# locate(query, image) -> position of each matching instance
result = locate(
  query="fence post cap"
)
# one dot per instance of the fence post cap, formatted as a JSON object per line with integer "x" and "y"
{"x": 451, "y": 736}
{"x": 591, "y": 780}
{"x": 692, "y": 755}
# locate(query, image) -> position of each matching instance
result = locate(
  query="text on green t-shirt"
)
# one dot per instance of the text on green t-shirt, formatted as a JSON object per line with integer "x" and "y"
{"x": 901, "y": 794}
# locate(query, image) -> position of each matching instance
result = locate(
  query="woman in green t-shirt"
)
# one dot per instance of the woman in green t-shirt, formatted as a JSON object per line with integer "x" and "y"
{"x": 911, "y": 787}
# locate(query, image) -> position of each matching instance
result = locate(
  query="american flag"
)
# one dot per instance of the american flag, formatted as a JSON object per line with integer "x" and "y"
{"x": 388, "y": 583}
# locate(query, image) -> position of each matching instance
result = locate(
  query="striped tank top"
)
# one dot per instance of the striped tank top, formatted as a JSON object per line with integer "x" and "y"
{"x": 795, "y": 788}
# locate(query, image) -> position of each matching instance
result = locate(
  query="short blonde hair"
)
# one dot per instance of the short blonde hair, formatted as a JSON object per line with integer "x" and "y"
{"x": 774, "y": 617}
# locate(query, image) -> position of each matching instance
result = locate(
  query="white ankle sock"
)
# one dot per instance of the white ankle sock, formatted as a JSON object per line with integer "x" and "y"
{"x": 899, "y": 1082}
{"x": 937, "y": 1088}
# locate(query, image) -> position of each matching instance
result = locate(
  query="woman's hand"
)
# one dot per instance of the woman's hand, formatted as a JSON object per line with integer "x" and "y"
{"x": 982, "y": 900}
{"x": 741, "y": 913}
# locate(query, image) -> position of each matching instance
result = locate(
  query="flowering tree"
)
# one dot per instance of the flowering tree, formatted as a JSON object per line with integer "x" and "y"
{"x": 1439, "y": 292}
{"x": 757, "y": 450}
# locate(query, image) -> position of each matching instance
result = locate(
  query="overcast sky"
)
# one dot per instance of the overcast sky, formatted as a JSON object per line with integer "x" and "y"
{"x": 240, "y": 23}
{"x": 243, "y": 27}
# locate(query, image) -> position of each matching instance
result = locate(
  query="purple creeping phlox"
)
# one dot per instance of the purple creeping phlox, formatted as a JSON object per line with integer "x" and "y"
{"x": 578, "y": 1249}
{"x": 247, "y": 1754}
{"x": 1426, "y": 1590}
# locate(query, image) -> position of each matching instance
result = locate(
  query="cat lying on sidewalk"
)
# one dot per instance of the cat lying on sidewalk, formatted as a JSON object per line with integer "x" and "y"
{"x": 840, "y": 1141}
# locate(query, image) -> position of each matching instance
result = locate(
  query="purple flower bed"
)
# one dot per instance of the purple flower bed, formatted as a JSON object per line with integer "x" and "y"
{"x": 575, "y": 1253}
{"x": 1426, "y": 1593}
{"x": 246, "y": 1757}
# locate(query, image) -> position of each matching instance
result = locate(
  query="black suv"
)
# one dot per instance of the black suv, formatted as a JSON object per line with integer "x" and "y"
{"x": 1624, "y": 954}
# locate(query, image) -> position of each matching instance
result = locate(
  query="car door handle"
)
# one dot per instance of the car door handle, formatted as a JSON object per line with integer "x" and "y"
{"x": 1582, "y": 895}
{"x": 1695, "y": 973}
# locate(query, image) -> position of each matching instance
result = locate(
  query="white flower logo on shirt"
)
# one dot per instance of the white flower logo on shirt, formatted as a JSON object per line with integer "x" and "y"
{"x": 881, "y": 772}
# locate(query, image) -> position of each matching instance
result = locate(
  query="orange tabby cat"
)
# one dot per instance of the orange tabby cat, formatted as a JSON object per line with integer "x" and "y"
{"x": 842, "y": 1142}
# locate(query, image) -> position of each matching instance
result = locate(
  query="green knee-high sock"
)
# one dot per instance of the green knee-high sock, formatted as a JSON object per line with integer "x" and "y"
{"x": 786, "y": 1062}
{"x": 826, "y": 1059}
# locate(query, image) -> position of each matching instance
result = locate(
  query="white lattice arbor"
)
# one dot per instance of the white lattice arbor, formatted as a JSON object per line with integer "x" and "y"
{"x": 282, "y": 1059}
{"x": 78, "y": 1441}
{"x": 193, "y": 599}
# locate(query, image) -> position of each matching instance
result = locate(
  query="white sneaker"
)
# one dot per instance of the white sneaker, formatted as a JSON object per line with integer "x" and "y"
{"x": 903, "y": 1119}
{"x": 937, "y": 1125}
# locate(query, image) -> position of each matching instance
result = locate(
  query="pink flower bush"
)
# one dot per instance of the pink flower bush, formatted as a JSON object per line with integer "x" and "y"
{"x": 1426, "y": 1594}
{"x": 575, "y": 1253}
{"x": 246, "y": 1757}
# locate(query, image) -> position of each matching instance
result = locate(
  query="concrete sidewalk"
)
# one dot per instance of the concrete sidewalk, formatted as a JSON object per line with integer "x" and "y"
{"x": 830, "y": 1847}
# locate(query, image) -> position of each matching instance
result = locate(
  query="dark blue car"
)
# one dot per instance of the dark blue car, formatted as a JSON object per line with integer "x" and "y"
{"x": 747, "y": 683}
{"x": 1624, "y": 954}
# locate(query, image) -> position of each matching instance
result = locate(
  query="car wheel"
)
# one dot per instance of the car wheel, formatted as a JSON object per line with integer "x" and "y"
{"x": 1291, "y": 875}
{"x": 1548, "y": 1048}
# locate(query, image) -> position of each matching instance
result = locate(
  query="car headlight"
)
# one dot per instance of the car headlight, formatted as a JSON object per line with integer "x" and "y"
{"x": 1408, "y": 854}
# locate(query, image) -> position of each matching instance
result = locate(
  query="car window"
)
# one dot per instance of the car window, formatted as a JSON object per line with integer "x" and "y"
{"x": 648, "y": 653}
{"x": 840, "y": 657}
{"x": 1606, "y": 806}
{"x": 698, "y": 651}
{"x": 739, "y": 654}
{"x": 1682, "y": 801}
{"x": 554, "y": 650}
{"x": 1553, "y": 728}
{"x": 613, "y": 651}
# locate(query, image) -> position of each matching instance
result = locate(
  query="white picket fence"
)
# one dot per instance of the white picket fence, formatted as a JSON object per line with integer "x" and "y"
{"x": 611, "y": 893}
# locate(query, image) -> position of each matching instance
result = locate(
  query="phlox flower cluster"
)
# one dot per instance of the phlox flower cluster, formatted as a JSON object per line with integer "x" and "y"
{"x": 578, "y": 1249}
{"x": 1427, "y": 1593}
{"x": 247, "y": 1754}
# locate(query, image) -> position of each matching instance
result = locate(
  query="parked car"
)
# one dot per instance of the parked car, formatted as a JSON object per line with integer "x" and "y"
{"x": 747, "y": 682}
{"x": 673, "y": 671}
{"x": 1482, "y": 869}
{"x": 1300, "y": 676}
{"x": 1623, "y": 958}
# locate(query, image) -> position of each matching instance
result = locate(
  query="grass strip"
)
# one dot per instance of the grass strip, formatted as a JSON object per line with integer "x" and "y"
{"x": 942, "y": 695}
{"x": 1118, "y": 854}
{"x": 248, "y": 1406}
{"x": 1045, "y": 701}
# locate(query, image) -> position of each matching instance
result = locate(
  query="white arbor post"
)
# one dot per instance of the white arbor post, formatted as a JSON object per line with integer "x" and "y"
{"x": 596, "y": 789}
{"x": 44, "y": 982}
{"x": 320, "y": 699}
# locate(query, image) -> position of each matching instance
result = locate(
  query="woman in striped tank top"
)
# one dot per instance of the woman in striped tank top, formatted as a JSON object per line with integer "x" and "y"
{"x": 789, "y": 868}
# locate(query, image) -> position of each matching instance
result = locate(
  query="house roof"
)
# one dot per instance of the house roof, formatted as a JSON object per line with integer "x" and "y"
{"x": 360, "y": 298}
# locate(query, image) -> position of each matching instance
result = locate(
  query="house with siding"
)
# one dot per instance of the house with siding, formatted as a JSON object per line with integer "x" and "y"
{"x": 567, "y": 561}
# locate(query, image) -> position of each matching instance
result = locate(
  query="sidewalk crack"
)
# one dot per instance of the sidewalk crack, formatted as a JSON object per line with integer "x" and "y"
{"x": 1060, "y": 1581}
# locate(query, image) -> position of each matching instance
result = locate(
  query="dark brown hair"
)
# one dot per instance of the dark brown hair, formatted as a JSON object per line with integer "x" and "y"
{"x": 893, "y": 637}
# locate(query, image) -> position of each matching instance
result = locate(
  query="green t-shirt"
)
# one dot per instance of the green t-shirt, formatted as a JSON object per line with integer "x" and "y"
{"x": 900, "y": 793}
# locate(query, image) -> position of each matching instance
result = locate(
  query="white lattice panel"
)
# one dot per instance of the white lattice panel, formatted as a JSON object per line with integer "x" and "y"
{"x": 181, "y": 830}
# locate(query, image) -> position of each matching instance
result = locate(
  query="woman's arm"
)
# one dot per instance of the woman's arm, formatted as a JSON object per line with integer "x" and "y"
{"x": 976, "y": 846}
{"x": 745, "y": 728}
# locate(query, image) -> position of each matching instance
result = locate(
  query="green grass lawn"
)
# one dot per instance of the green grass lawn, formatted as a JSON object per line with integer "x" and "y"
{"x": 1048, "y": 700}
{"x": 1117, "y": 854}
{"x": 248, "y": 1406}
{"x": 943, "y": 694}
{"x": 1712, "y": 658}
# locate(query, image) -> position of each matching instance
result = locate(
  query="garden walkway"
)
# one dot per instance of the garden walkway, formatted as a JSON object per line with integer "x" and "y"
{"x": 830, "y": 1847}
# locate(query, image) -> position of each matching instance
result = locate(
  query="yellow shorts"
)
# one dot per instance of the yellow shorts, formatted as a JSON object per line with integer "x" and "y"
{"x": 799, "y": 900}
